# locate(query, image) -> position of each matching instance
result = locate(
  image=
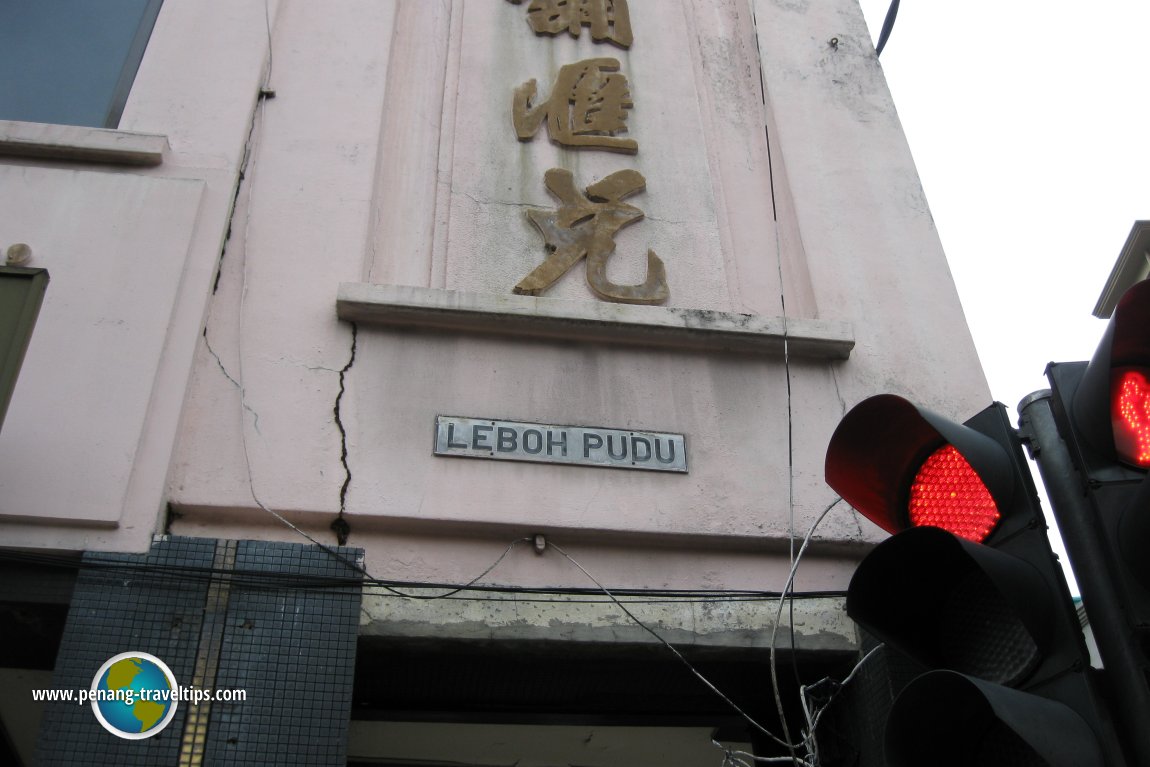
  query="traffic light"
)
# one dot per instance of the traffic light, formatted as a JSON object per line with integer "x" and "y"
{"x": 968, "y": 586}
{"x": 1101, "y": 413}
{"x": 1102, "y": 410}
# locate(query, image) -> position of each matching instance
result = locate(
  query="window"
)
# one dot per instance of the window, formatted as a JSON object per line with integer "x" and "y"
{"x": 71, "y": 61}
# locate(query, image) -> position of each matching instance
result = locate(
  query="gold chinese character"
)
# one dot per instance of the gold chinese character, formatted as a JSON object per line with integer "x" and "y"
{"x": 608, "y": 19}
{"x": 585, "y": 225}
{"x": 587, "y": 105}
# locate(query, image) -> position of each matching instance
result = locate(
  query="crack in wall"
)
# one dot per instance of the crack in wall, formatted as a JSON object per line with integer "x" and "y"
{"x": 661, "y": 220}
{"x": 241, "y": 174}
{"x": 239, "y": 387}
{"x": 233, "y": 211}
{"x": 340, "y": 525}
{"x": 544, "y": 206}
{"x": 503, "y": 203}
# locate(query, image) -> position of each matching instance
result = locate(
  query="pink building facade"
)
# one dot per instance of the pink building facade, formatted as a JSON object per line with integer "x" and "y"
{"x": 284, "y": 312}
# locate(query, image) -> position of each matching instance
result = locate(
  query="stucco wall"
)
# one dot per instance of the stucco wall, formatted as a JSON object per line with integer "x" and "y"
{"x": 387, "y": 156}
{"x": 132, "y": 253}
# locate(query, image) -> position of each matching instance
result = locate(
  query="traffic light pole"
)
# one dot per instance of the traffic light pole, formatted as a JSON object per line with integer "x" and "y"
{"x": 1128, "y": 691}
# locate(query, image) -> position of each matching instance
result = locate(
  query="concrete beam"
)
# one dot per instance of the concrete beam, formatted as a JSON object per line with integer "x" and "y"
{"x": 603, "y": 322}
{"x": 820, "y": 623}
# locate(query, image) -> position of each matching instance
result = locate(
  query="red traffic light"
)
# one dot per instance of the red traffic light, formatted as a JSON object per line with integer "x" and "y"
{"x": 1130, "y": 415}
{"x": 1111, "y": 409}
{"x": 948, "y": 493}
{"x": 902, "y": 466}
{"x": 967, "y": 585}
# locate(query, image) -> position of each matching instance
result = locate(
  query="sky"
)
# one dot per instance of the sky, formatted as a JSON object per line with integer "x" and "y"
{"x": 1029, "y": 123}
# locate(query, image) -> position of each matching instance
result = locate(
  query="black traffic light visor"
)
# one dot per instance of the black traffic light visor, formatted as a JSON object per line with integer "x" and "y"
{"x": 879, "y": 446}
{"x": 944, "y": 718}
{"x": 951, "y": 603}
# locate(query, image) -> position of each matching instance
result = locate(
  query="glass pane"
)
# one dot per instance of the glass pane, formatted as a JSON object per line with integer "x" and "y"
{"x": 71, "y": 61}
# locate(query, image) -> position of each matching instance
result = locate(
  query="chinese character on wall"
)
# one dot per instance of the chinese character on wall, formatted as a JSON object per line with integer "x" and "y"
{"x": 586, "y": 108}
{"x": 585, "y": 226}
{"x": 608, "y": 19}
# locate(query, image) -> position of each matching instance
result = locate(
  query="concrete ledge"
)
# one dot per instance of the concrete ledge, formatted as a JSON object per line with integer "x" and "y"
{"x": 80, "y": 144}
{"x": 602, "y": 322}
{"x": 238, "y": 521}
{"x": 820, "y": 623}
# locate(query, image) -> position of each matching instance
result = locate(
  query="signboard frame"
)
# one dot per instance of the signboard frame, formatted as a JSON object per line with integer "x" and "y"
{"x": 466, "y": 437}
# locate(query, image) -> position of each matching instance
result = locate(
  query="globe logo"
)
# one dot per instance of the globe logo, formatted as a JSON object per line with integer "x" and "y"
{"x": 134, "y": 695}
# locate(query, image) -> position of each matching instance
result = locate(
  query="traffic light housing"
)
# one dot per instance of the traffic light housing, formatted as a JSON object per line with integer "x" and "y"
{"x": 1102, "y": 410}
{"x": 968, "y": 586}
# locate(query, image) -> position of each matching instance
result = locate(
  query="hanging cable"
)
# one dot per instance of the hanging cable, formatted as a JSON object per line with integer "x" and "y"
{"x": 887, "y": 26}
{"x": 813, "y": 721}
{"x": 788, "y": 586}
{"x": 747, "y": 759}
{"x": 734, "y": 706}
{"x": 470, "y": 583}
{"x": 390, "y": 588}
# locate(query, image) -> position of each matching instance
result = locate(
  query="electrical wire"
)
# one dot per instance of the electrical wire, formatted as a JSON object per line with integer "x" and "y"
{"x": 790, "y": 411}
{"x": 473, "y": 581}
{"x": 475, "y": 591}
{"x": 271, "y": 59}
{"x": 813, "y": 722}
{"x": 887, "y": 27}
{"x": 734, "y": 706}
{"x": 779, "y": 614}
{"x": 790, "y": 506}
{"x": 747, "y": 759}
{"x": 364, "y": 579}
{"x": 263, "y": 579}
